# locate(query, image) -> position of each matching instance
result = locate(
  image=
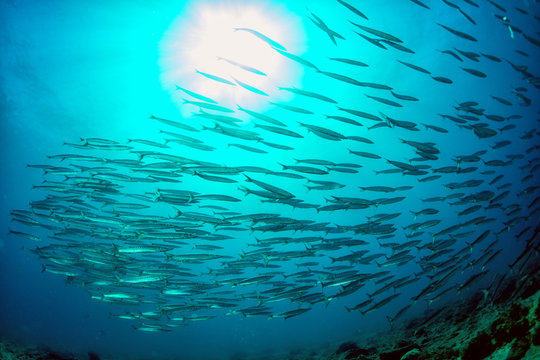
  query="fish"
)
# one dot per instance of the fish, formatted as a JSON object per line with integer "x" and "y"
{"x": 261, "y": 116}
{"x": 249, "y": 148}
{"x": 321, "y": 25}
{"x": 409, "y": 125}
{"x": 234, "y": 132}
{"x": 292, "y": 108}
{"x": 25, "y": 235}
{"x": 309, "y": 94}
{"x": 501, "y": 100}
{"x": 404, "y": 97}
{"x": 365, "y": 154}
{"x": 469, "y": 54}
{"x": 276, "y": 146}
{"x": 415, "y": 67}
{"x": 341, "y": 78}
{"x": 323, "y": 132}
{"x": 396, "y": 46}
{"x": 291, "y": 313}
{"x": 270, "y": 187}
{"x": 263, "y": 37}
{"x": 196, "y": 96}
{"x": 380, "y": 304}
{"x": 420, "y": 3}
{"x": 305, "y": 169}
{"x": 450, "y": 52}
{"x": 215, "y": 78}
{"x": 297, "y": 58}
{"x": 278, "y": 130}
{"x": 229, "y": 120}
{"x": 242, "y": 66}
{"x": 458, "y": 33}
{"x": 376, "y": 42}
{"x": 435, "y": 128}
{"x": 474, "y": 72}
{"x": 343, "y": 119}
{"x": 353, "y": 9}
{"x": 147, "y": 220}
{"x": 385, "y": 101}
{"x": 249, "y": 87}
{"x": 349, "y": 61}
{"x": 442, "y": 79}
{"x": 497, "y": 5}
{"x": 378, "y": 33}
{"x": 208, "y": 106}
{"x": 360, "y": 114}
{"x": 491, "y": 57}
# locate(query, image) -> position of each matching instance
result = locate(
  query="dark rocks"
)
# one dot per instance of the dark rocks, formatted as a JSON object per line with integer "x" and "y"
{"x": 517, "y": 312}
{"x": 536, "y": 337}
{"x": 346, "y": 346}
{"x": 93, "y": 356}
{"x": 414, "y": 354}
{"x": 52, "y": 355}
{"x": 505, "y": 294}
{"x": 504, "y": 331}
{"x": 397, "y": 354}
{"x": 479, "y": 348}
{"x": 530, "y": 289}
{"x": 353, "y": 351}
{"x": 519, "y": 349}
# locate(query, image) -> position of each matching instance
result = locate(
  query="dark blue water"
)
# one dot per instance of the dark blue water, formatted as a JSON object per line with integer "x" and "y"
{"x": 72, "y": 71}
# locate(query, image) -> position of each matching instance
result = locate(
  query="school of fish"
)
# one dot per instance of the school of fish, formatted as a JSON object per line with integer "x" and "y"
{"x": 127, "y": 221}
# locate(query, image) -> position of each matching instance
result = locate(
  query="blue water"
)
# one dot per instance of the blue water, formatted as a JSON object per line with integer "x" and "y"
{"x": 71, "y": 71}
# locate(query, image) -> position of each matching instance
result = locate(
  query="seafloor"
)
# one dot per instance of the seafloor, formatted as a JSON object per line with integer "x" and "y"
{"x": 502, "y": 322}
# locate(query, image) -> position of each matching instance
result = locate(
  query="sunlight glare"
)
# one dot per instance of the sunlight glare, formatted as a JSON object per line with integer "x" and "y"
{"x": 211, "y": 38}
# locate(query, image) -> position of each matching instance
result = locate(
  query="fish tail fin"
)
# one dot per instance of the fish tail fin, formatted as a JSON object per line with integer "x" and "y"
{"x": 348, "y": 309}
{"x": 178, "y": 212}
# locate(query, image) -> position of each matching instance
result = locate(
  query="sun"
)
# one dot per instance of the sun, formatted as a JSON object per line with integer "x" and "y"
{"x": 229, "y": 52}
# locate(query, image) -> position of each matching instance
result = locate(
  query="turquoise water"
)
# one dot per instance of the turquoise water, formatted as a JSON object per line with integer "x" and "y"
{"x": 97, "y": 71}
